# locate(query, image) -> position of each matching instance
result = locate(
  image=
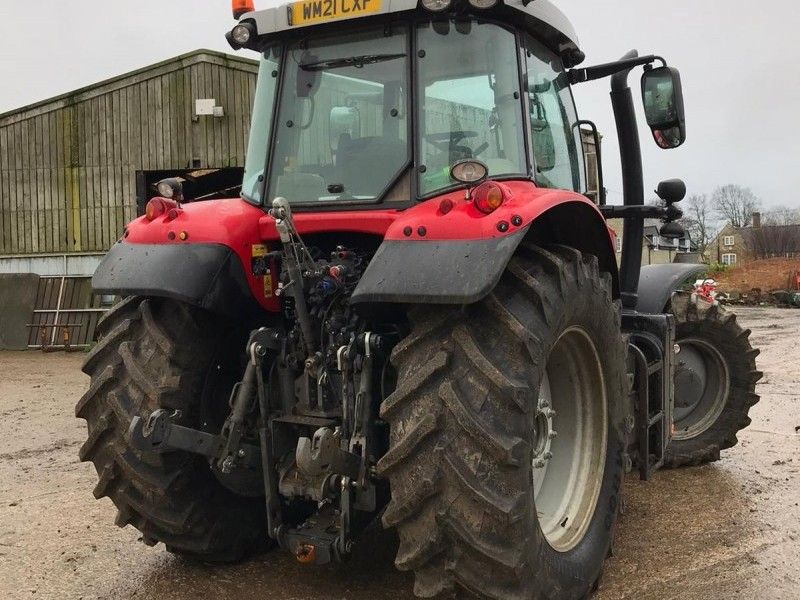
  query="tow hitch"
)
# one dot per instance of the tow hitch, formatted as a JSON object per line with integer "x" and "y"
{"x": 158, "y": 433}
{"x": 322, "y": 538}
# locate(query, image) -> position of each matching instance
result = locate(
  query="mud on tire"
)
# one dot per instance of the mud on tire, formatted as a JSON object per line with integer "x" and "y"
{"x": 156, "y": 353}
{"x": 716, "y": 337}
{"x": 461, "y": 419}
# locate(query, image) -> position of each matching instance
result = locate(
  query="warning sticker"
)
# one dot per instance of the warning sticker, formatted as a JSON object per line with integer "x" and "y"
{"x": 260, "y": 267}
{"x": 268, "y": 285}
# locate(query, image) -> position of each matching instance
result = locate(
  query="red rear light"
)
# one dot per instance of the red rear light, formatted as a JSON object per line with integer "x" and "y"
{"x": 158, "y": 206}
{"x": 488, "y": 197}
{"x": 241, "y": 7}
{"x": 155, "y": 208}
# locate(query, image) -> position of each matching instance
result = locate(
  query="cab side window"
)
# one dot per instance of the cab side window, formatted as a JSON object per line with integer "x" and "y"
{"x": 556, "y": 144}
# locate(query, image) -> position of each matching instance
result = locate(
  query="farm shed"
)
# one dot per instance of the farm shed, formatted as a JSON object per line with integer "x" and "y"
{"x": 73, "y": 167}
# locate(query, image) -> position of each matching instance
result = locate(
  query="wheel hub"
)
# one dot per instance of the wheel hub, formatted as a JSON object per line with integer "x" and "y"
{"x": 543, "y": 432}
{"x": 568, "y": 464}
{"x": 702, "y": 383}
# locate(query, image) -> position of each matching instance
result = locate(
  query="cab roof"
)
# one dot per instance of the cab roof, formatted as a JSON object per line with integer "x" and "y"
{"x": 560, "y": 33}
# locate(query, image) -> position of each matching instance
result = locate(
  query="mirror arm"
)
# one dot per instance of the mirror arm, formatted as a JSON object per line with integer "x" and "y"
{"x": 667, "y": 214}
{"x": 632, "y": 180}
{"x": 612, "y": 68}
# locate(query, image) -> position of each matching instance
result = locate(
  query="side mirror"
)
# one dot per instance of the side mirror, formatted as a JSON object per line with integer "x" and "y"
{"x": 662, "y": 95}
{"x": 344, "y": 120}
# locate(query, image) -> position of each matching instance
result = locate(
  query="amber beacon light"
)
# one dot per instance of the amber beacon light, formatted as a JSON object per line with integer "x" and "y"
{"x": 241, "y": 7}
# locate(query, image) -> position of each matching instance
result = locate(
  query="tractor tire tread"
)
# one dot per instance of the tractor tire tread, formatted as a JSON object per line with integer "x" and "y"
{"x": 446, "y": 379}
{"x": 733, "y": 341}
{"x": 152, "y": 355}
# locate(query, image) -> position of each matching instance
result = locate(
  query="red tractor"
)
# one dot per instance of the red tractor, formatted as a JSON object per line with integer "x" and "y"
{"x": 414, "y": 311}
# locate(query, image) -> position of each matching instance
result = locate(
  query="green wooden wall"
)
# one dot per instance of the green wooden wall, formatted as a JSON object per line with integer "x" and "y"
{"x": 68, "y": 165}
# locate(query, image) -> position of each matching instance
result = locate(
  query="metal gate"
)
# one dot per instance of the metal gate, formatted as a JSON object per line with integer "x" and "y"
{"x": 66, "y": 313}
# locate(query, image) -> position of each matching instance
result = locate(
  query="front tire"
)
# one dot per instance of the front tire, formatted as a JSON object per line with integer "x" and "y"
{"x": 468, "y": 463}
{"x": 715, "y": 380}
{"x": 157, "y": 353}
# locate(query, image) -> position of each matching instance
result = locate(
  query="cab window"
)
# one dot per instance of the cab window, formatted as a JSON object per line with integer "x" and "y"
{"x": 556, "y": 142}
{"x": 468, "y": 86}
{"x": 342, "y": 126}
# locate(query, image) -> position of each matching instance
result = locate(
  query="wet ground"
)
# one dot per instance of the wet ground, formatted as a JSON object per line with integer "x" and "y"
{"x": 727, "y": 530}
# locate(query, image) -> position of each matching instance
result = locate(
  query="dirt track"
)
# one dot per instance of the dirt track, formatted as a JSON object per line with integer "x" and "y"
{"x": 731, "y": 529}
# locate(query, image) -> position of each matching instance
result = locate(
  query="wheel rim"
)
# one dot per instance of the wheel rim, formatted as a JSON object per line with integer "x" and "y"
{"x": 702, "y": 382}
{"x": 569, "y": 440}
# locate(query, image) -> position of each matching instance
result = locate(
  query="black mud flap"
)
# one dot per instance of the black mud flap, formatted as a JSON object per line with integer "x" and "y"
{"x": 209, "y": 276}
{"x": 436, "y": 272}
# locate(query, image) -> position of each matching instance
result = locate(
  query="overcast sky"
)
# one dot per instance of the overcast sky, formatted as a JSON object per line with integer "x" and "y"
{"x": 740, "y": 64}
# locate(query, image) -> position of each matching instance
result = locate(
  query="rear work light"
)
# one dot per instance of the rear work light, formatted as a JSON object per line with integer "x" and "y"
{"x": 241, "y": 34}
{"x": 241, "y": 7}
{"x": 436, "y": 5}
{"x": 157, "y": 207}
{"x": 469, "y": 171}
{"x": 488, "y": 197}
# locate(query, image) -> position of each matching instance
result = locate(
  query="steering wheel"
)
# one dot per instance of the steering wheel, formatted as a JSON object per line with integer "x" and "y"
{"x": 449, "y": 142}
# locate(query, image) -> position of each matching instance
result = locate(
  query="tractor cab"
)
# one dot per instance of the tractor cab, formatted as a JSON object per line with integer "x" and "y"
{"x": 377, "y": 108}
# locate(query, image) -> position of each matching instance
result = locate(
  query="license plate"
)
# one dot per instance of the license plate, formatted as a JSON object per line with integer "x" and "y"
{"x": 306, "y": 12}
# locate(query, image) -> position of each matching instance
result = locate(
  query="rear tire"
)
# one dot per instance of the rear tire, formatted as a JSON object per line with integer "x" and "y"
{"x": 157, "y": 353}
{"x": 715, "y": 382}
{"x": 466, "y": 431}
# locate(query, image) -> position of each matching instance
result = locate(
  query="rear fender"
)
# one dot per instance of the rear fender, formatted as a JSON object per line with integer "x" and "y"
{"x": 208, "y": 276}
{"x": 657, "y": 283}
{"x": 208, "y": 254}
{"x": 457, "y": 256}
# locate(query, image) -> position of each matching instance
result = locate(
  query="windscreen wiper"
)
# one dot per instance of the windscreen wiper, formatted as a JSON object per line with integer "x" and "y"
{"x": 351, "y": 61}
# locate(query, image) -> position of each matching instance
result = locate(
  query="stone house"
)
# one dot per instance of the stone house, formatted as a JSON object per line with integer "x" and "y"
{"x": 728, "y": 248}
{"x": 737, "y": 245}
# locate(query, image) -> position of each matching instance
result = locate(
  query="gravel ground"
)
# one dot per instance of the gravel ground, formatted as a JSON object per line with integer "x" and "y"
{"x": 730, "y": 529}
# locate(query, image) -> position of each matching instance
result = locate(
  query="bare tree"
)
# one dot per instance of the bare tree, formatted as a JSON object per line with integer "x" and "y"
{"x": 698, "y": 221}
{"x": 782, "y": 215}
{"x": 770, "y": 241}
{"x": 735, "y": 204}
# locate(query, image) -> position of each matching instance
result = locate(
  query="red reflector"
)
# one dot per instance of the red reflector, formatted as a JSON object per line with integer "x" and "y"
{"x": 445, "y": 206}
{"x": 241, "y": 7}
{"x": 488, "y": 197}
